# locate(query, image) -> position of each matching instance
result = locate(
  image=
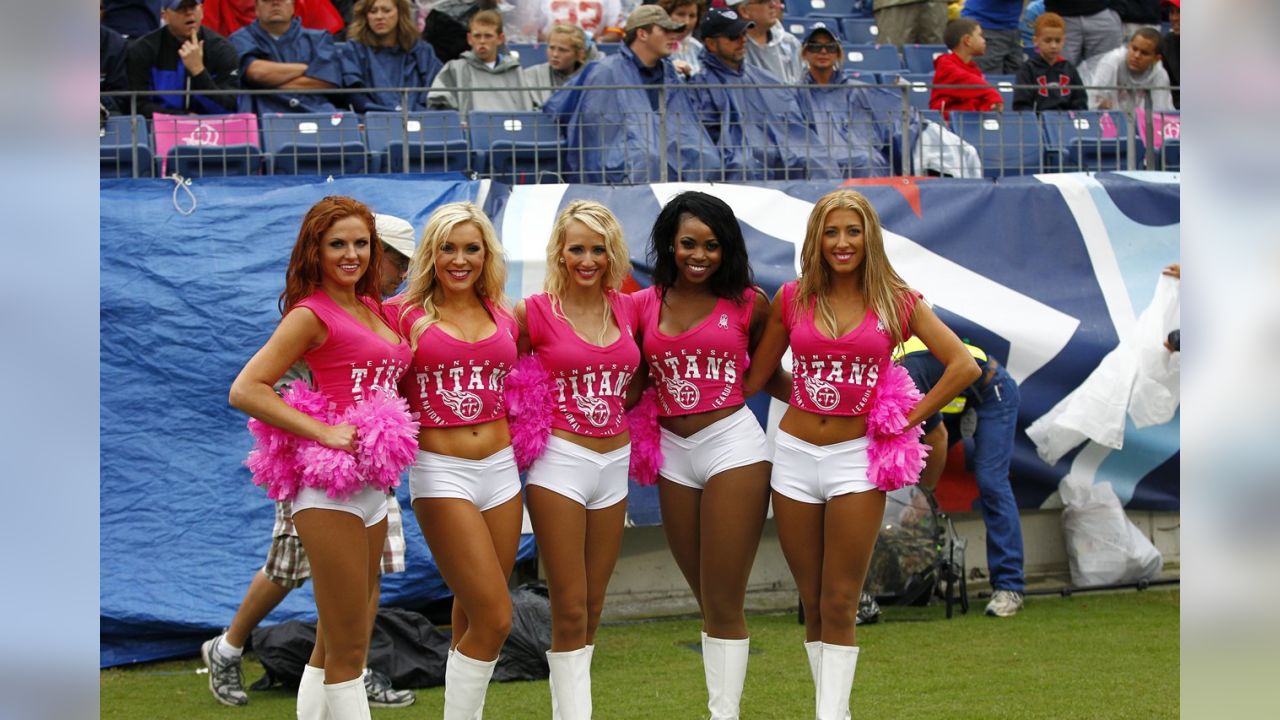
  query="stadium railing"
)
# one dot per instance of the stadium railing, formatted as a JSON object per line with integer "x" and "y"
{"x": 886, "y": 133}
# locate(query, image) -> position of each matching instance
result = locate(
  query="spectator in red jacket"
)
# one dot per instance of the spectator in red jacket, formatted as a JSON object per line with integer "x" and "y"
{"x": 957, "y": 68}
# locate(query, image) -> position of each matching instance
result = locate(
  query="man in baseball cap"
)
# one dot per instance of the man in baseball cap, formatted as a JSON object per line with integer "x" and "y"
{"x": 185, "y": 55}
{"x": 646, "y": 34}
{"x": 719, "y": 22}
{"x": 777, "y": 143}
{"x": 398, "y": 246}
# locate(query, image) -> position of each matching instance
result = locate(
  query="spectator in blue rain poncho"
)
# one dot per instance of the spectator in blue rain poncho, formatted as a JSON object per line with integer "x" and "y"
{"x": 614, "y": 135}
{"x": 277, "y": 52}
{"x": 856, "y": 121}
{"x": 764, "y": 133}
{"x": 385, "y": 51}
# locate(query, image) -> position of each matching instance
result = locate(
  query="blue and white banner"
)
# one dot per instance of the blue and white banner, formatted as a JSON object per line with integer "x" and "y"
{"x": 1040, "y": 272}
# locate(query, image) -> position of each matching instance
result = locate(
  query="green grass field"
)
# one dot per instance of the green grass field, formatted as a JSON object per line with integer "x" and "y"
{"x": 1087, "y": 656}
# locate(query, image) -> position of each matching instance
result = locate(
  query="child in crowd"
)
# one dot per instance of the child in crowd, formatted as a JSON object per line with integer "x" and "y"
{"x": 1057, "y": 82}
{"x": 956, "y": 69}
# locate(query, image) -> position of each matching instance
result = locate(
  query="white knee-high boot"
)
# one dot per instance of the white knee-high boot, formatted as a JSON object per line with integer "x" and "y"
{"x": 835, "y": 680}
{"x": 571, "y": 683}
{"x": 724, "y": 662}
{"x": 466, "y": 681}
{"x": 814, "y": 651}
{"x": 347, "y": 700}
{"x": 311, "y": 702}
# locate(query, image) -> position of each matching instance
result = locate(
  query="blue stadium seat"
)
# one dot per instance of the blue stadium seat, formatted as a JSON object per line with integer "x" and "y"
{"x": 801, "y": 26}
{"x": 314, "y": 144}
{"x": 921, "y": 89}
{"x": 829, "y": 8}
{"x": 434, "y": 139}
{"x": 919, "y": 58}
{"x": 1004, "y": 85}
{"x": 865, "y": 76}
{"x": 124, "y": 145}
{"x": 528, "y": 55}
{"x": 1009, "y": 143}
{"x": 214, "y": 160}
{"x": 1074, "y": 140}
{"x": 516, "y": 147}
{"x": 872, "y": 57}
{"x": 860, "y": 31}
{"x": 934, "y": 116}
{"x": 609, "y": 48}
{"x": 1169, "y": 154}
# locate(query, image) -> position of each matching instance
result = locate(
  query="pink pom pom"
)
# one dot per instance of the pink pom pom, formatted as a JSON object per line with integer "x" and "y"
{"x": 284, "y": 463}
{"x": 325, "y": 468}
{"x": 274, "y": 457}
{"x": 895, "y": 457}
{"x": 646, "y": 438}
{"x": 388, "y": 437}
{"x": 528, "y": 393}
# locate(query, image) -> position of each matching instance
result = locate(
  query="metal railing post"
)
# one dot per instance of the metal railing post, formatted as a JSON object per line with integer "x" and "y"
{"x": 1149, "y": 157}
{"x": 662, "y": 133}
{"x": 908, "y": 157}
{"x": 404, "y": 134}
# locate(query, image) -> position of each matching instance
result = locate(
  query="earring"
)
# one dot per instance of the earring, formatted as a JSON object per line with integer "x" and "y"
{"x": 671, "y": 248}
{"x": 561, "y": 261}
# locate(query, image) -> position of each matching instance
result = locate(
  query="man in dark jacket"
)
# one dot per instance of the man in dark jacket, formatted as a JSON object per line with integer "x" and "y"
{"x": 1172, "y": 53}
{"x": 111, "y": 71}
{"x": 184, "y": 55}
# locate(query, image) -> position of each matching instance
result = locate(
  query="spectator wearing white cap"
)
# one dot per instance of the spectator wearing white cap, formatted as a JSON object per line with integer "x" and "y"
{"x": 398, "y": 246}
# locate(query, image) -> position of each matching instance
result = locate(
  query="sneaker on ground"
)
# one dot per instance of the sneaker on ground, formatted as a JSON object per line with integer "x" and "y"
{"x": 225, "y": 680}
{"x": 1004, "y": 603}
{"x": 868, "y": 610}
{"x": 381, "y": 694}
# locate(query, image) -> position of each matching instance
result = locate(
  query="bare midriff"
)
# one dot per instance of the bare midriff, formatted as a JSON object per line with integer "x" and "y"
{"x": 822, "y": 429}
{"x": 470, "y": 442}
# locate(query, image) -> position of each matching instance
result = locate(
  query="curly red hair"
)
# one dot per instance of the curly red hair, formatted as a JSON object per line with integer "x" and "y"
{"x": 304, "y": 275}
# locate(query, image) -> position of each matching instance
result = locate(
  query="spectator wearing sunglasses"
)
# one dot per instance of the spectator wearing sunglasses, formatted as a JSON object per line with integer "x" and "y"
{"x": 855, "y": 124}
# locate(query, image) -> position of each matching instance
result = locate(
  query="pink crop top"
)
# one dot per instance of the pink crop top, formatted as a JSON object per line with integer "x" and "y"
{"x": 591, "y": 381}
{"x": 837, "y": 377}
{"x": 453, "y": 382}
{"x": 353, "y": 357}
{"x": 702, "y": 368}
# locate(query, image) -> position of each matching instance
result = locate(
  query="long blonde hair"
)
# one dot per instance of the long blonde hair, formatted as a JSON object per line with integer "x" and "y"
{"x": 882, "y": 289}
{"x": 598, "y": 219}
{"x": 423, "y": 282}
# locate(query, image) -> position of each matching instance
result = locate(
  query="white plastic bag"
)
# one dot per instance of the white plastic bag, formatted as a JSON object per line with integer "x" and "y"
{"x": 1103, "y": 546}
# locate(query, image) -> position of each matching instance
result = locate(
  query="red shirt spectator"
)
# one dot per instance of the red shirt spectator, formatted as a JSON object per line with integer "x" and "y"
{"x": 964, "y": 38}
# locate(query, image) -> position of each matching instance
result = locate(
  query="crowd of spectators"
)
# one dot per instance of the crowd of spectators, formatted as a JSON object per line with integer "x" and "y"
{"x": 723, "y": 58}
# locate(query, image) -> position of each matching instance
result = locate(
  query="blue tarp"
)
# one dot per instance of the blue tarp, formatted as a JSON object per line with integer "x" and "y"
{"x": 185, "y": 302}
{"x": 1035, "y": 270}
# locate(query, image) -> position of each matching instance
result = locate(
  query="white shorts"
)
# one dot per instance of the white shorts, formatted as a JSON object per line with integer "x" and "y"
{"x": 486, "y": 483}
{"x": 811, "y": 473}
{"x": 369, "y": 504}
{"x": 591, "y": 479}
{"x": 727, "y": 443}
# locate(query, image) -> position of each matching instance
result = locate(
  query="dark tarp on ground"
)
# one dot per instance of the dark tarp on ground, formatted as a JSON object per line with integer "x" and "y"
{"x": 411, "y": 651}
